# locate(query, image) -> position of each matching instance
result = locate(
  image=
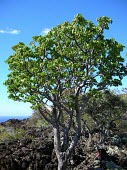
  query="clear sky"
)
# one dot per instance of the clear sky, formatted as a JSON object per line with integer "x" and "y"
{"x": 22, "y": 19}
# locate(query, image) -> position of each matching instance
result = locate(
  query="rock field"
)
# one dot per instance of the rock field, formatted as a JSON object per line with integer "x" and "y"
{"x": 35, "y": 151}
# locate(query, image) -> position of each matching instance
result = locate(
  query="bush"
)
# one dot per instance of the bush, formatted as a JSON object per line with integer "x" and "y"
{"x": 11, "y": 134}
{"x": 36, "y": 120}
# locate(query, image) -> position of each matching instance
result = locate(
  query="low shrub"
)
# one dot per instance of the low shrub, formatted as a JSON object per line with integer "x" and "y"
{"x": 11, "y": 134}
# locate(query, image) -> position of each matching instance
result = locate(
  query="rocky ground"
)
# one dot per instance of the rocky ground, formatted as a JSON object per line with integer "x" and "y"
{"x": 34, "y": 151}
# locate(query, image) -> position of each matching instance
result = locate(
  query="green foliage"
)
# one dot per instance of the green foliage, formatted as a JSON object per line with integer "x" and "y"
{"x": 36, "y": 120}
{"x": 123, "y": 94}
{"x": 105, "y": 110}
{"x": 11, "y": 134}
{"x": 72, "y": 55}
{"x": 123, "y": 122}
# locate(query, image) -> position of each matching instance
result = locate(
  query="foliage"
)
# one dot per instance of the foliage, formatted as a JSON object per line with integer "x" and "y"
{"x": 123, "y": 95}
{"x": 11, "y": 134}
{"x": 106, "y": 111}
{"x": 71, "y": 53}
{"x": 56, "y": 71}
{"x": 37, "y": 120}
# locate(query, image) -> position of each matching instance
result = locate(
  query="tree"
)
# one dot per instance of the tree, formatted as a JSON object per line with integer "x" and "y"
{"x": 106, "y": 113}
{"x": 55, "y": 71}
{"x": 123, "y": 95}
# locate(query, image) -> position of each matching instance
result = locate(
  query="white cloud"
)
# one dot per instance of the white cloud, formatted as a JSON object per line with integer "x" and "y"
{"x": 9, "y": 31}
{"x": 45, "y": 31}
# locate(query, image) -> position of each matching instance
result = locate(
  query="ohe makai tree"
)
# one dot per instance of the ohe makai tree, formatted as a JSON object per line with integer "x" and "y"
{"x": 55, "y": 71}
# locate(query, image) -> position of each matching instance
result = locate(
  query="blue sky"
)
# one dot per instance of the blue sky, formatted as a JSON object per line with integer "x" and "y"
{"x": 22, "y": 19}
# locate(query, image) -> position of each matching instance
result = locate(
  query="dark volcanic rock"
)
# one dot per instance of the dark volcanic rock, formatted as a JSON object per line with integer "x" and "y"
{"x": 35, "y": 151}
{"x": 25, "y": 155}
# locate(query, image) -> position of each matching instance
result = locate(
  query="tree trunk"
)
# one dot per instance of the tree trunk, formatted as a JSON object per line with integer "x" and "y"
{"x": 62, "y": 161}
{"x": 62, "y": 165}
{"x": 64, "y": 153}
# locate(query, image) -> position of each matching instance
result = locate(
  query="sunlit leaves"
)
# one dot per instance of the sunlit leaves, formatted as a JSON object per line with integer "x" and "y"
{"x": 103, "y": 22}
{"x": 73, "y": 55}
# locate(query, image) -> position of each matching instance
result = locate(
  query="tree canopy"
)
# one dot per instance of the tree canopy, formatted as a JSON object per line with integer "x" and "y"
{"x": 71, "y": 56}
